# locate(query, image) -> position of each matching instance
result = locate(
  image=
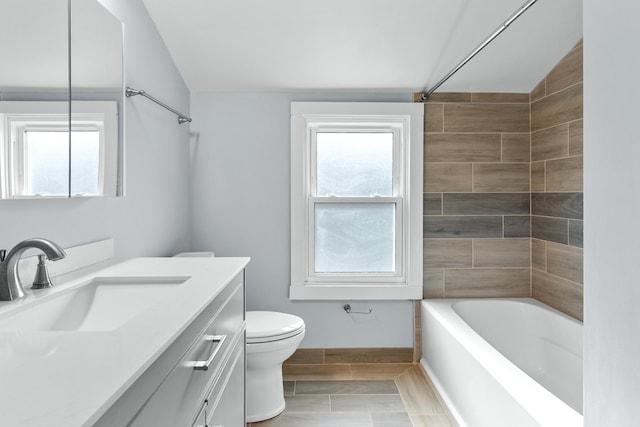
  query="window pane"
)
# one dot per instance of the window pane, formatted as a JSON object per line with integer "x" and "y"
{"x": 354, "y": 164}
{"x": 47, "y": 166}
{"x": 355, "y": 238}
{"x": 85, "y": 159}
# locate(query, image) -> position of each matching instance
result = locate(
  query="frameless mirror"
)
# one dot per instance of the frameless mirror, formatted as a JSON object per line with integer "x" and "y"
{"x": 97, "y": 93}
{"x": 34, "y": 90}
{"x": 61, "y": 99}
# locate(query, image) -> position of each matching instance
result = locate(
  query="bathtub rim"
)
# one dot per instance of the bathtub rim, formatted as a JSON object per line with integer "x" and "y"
{"x": 516, "y": 382}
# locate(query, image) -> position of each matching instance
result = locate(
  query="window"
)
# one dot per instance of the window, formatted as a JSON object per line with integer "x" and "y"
{"x": 39, "y": 157}
{"x": 356, "y": 200}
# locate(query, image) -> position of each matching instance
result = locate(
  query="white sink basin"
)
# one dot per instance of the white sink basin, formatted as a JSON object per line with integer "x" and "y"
{"x": 103, "y": 304}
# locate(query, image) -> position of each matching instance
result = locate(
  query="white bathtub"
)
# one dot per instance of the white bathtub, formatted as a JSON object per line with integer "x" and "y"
{"x": 504, "y": 362}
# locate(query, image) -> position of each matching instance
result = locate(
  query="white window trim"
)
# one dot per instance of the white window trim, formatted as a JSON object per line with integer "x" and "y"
{"x": 408, "y": 118}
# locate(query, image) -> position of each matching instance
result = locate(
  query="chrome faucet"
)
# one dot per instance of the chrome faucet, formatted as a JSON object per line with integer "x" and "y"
{"x": 10, "y": 286}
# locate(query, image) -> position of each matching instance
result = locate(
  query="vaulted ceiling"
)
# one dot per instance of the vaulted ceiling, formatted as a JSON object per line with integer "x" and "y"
{"x": 363, "y": 45}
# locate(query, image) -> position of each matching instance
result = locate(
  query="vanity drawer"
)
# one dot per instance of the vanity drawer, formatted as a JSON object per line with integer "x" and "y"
{"x": 176, "y": 400}
{"x": 225, "y": 405}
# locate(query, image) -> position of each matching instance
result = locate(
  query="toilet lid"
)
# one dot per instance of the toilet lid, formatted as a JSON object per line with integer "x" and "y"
{"x": 264, "y": 326}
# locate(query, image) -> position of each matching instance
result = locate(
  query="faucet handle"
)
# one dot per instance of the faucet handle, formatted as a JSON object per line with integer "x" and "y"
{"x": 3, "y": 254}
{"x": 42, "y": 279}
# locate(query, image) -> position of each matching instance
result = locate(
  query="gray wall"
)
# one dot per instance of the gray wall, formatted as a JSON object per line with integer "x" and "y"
{"x": 240, "y": 207}
{"x": 612, "y": 208}
{"x": 152, "y": 218}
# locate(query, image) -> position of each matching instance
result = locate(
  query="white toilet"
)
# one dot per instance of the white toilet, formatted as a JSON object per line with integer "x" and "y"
{"x": 271, "y": 338}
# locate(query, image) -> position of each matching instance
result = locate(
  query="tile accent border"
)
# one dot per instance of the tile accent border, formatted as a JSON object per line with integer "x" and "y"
{"x": 335, "y": 356}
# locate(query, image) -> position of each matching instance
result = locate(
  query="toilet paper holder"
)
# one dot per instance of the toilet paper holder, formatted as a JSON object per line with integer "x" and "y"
{"x": 347, "y": 309}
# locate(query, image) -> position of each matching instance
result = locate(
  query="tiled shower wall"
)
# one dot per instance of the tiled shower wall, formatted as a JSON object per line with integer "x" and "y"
{"x": 556, "y": 186}
{"x": 477, "y": 196}
{"x": 503, "y": 192}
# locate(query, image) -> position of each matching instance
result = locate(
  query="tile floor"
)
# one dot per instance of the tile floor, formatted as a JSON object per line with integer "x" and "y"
{"x": 367, "y": 395}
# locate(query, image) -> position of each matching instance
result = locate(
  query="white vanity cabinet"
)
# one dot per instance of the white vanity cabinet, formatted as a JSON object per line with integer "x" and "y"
{"x": 199, "y": 380}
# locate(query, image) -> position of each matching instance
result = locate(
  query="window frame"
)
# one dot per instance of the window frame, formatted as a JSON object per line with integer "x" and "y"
{"x": 18, "y": 117}
{"x": 405, "y": 120}
{"x": 17, "y": 126}
{"x": 347, "y": 126}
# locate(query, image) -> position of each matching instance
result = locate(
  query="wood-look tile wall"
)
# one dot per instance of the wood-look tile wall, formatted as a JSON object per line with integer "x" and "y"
{"x": 477, "y": 195}
{"x": 503, "y": 198}
{"x": 332, "y": 356}
{"x": 556, "y": 186}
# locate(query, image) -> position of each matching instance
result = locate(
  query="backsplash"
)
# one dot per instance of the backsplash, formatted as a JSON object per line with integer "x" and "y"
{"x": 503, "y": 192}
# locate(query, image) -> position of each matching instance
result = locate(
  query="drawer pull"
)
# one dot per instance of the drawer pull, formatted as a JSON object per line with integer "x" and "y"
{"x": 203, "y": 365}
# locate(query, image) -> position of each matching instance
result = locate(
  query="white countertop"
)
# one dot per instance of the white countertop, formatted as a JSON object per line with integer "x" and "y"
{"x": 68, "y": 379}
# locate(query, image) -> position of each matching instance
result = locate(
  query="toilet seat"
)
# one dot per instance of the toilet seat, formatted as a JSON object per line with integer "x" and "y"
{"x": 268, "y": 326}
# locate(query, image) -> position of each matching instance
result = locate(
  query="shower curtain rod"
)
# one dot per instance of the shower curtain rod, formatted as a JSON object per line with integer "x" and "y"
{"x": 427, "y": 93}
{"x": 133, "y": 92}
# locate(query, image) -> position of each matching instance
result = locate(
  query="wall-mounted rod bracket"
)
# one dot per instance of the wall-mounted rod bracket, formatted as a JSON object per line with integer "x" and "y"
{"x": 133, "y": 92}
{"x": 427, "y": 93}
{"x": 347, "y": 309}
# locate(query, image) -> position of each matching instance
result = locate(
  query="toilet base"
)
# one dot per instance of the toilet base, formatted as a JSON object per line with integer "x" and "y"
{"x": 266, "y": 416}
{"x": 265, "y": 392}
